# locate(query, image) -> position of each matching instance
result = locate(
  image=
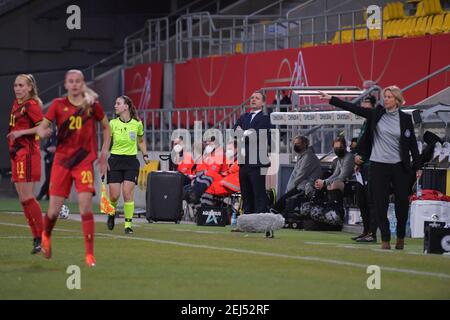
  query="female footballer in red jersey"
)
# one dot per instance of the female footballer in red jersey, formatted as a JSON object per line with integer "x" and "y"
{"x": 26, "y": 114}
{"x": 75, "y": 117}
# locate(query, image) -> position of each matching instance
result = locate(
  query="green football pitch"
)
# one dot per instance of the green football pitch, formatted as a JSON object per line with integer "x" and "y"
{"x": 184, "y": 261}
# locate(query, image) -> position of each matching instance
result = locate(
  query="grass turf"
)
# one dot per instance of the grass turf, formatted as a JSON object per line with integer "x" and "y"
{"x": 181, "y": 261}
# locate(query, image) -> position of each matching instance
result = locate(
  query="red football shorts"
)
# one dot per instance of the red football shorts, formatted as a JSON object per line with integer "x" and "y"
{"x": 61, "y": 179}
{"x": 26, "y": 168}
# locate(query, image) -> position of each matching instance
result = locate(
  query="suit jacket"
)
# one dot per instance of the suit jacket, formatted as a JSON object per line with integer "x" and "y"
{"x": 260, "y": 122}
{"x": 408, "y": 141}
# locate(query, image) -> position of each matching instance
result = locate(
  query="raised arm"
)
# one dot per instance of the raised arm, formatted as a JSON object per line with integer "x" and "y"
{"x": 348, "y": 106}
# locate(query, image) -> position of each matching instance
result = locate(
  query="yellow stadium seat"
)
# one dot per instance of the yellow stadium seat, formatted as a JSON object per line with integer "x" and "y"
{"x": 346, "y": 36}
{"x": 426, "y": 7}
{"x": 437, "y": 7}
{"x": 414, "y": 31}
{"x": 335, "y": 40}
{"x": 403, "y": 27}
{"x": 427, "y": 27}
{"x": 401, "y": 8}
{"x": 446, "y": 24}
{"x": 420, "y": 11}
{"x": 391, "y": 29}
{"x": 422, "y": 27}
{"x": 387, "y": 29}
{"x": 238, "y": 47}
{"x": 361, "y": 33}
{"x": 386, "y": 13}
{"x": 437, "y": 26}
{"x": 153, "y": 165}
{"x": 374, "y": 34}
{"x": 407, "y": 26}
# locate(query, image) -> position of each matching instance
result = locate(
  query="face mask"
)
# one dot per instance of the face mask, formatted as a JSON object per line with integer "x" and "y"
{"x": 177, "y": 148}
{"x": 230, "y": 154}
{"x": 209, "y": 149}
{"x": 298, "y": 148}
{"x": 339, "y": 152}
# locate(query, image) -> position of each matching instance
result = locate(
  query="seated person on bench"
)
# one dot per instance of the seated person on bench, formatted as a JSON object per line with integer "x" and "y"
{"x": 183, "y": 161}
{"x": 229, "y": 184}
{"x": 208, "y": 171}
{"x": 307, "y": 169}
{"x": 335, "y": 184}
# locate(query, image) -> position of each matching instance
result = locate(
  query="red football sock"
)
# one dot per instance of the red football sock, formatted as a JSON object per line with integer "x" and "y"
{"x": 34, "y": 211}
{"x": 30, "y": 219}
{"x": 88, "y": 230}
{"x": 48, "y": 225}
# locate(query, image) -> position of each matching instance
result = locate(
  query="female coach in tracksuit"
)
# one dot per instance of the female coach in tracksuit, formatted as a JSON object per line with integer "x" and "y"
{"x": 388, "y": 141}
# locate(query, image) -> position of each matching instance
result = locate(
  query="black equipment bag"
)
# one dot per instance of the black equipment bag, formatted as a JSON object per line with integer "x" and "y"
{"x": 164, "y": 196}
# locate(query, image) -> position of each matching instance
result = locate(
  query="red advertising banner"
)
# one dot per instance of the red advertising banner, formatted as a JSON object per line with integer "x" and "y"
{"x": 143, "y": 84}
{"x": 440, "y": 57}
{"x": 229, "y": 80}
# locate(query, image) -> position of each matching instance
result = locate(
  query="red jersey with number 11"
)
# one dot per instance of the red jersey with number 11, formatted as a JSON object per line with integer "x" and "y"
{"x": 25, "y": 115}
{"x": 77, "y": 136}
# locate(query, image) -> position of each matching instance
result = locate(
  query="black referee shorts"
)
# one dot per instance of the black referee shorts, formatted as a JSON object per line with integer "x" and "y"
{"x": 122, "y": 168}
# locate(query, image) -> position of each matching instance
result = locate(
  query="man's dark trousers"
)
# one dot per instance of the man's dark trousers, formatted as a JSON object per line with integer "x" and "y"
{"x": 253, "y": 190}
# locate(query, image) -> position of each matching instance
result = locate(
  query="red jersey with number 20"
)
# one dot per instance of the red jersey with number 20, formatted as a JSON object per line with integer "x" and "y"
{"x": 77, "y": 136}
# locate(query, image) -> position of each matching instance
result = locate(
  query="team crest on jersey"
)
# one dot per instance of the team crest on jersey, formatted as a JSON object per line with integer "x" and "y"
{"x": 22, "y": 110}
{"x": 65, "y": 109}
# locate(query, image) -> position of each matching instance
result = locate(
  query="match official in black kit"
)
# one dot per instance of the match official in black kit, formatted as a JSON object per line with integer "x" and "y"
{"x": 252, "y": 180}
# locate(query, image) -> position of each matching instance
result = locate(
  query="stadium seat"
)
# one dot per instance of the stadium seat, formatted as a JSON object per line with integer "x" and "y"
{"x": 427, "y": 7}
{"x": 400, "y": 10}
{"x": 411, "y": 26}
{"x": 386, "y": 13}
{"x": 374, "y": 34}
{"x": 429, "y": 24}
{"x": 437, "y": 26}
{"x": 361, "y": 33}
{"x": 419, "y": 27}
{"x": 420, "y": 11}
{"x": 307, "y": 44}
{"x": 407, "y": 25}
{"x": 238, "y": 48}
{"x": 446, "y": 24}
{"x": 437, "y": 7}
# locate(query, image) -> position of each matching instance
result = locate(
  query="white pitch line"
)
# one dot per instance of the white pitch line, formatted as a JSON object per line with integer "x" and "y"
{"x": 260, "y": 253}
{"x": 59, "y": 237}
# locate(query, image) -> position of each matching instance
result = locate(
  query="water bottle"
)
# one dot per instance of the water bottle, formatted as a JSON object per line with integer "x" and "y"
{"x": 392, "y": 219}
{"x": 419, "y": 190}
{"x": 233, "y": 218}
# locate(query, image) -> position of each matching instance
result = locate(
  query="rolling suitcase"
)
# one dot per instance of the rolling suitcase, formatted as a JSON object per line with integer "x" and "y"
{"x": 164, "y": 196}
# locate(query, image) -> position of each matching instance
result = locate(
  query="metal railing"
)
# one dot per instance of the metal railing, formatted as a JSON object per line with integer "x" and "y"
{"x": 152, "y": 41}
{"x": 160, "y": 123}
{"x": 203, "y": 34}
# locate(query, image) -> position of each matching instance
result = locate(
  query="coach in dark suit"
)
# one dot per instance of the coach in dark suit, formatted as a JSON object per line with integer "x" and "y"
{"x": 389, "y": 142}
{"x": 252, "y": 180}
